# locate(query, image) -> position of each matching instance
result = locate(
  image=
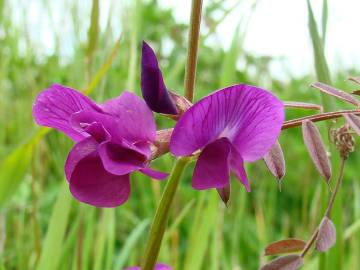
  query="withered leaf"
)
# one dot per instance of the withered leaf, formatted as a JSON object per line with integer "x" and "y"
{"x": 289, "y": 262}
{"x": 224, "y": 194}
{"x": 316, "y": 149}
{"x": 355, "y": 79}
{"x": 356, "y": 92}
{"x": 354, "y": 122}
{"x": 285, "y": 246}
{"x": 274, "y": 160}
{"x": 336, "y": 93}
{"x": 326, "y": 236}
{"x": 302, "y": 105}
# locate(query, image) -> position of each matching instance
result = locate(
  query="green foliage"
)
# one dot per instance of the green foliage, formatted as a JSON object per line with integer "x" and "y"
{"x": 46, "y": 228}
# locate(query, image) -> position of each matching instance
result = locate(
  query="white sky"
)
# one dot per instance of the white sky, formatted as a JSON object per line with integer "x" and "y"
{"x": 277, "y": 28}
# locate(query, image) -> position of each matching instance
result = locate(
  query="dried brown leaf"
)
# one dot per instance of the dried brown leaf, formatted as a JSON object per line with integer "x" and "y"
{"x": 285, "y": 246}
{"x": 356, "y": 92}
{"x": 355, "y": 79}
{"x": 354, "y": 122}
{"x": 336, "y": 93}
{"x": 303, "y": 105}
{"x": 289, "y": 262}
{"x": 316, "y": 149}
{"x": 326, "y": 236}
{"x": 274, "y": 160}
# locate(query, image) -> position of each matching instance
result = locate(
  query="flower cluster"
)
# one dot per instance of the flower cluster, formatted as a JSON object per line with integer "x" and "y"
{"x": 231, "y": 126}
{"x": 113, "y": 139}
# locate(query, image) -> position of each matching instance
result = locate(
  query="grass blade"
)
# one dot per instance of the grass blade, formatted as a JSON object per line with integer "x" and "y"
{"x": 51, "y": 251}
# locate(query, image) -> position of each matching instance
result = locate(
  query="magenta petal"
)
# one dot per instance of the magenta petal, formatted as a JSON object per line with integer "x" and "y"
{"x": 250, "y": 117}
{"x": 237, "y": 167}
{"x": 133, "y": 114}
{"x": 91, "y": 183}
{"x": 54, "y": 106}
{"x": 152, "y": 83}
{"x": 120, "y": 160}
{"x": 212, "y": 168}
{"x": 98, "y": 132}
{"x": 79, "y": 151}
{"x": 154, "y": 174}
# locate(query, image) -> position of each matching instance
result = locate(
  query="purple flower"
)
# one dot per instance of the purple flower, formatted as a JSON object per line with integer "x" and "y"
{"x": 233, "y": 125}
{"x": 158, "y": 266}
{"x": 112, "y": 140}
{"x": 153, "y": 87}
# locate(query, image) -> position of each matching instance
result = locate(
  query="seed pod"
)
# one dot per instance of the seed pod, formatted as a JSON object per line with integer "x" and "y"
{"x": 354, "y": 122}
{"x": 326, "y": 236}
{"x": 289, "y": 262}
{"x": 316, "y": 149}
{"x": 355, "y": 79}
{"x": 302, "y": 105}
{"x": 275, "y": 162}
{"x": 284, "y": 246}
{"x": 327, "y": 89}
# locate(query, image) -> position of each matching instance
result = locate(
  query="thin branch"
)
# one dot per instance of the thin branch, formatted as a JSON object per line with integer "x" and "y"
{"x": 328, "y": 209}
{"x": 318, "y": 117}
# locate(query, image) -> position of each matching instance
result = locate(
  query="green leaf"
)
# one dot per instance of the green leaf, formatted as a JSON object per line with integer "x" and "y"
{"x": 55, "y": 235}
{"x": 325, "y": 12}
{"x": 93, "y": 29}
{"x": 15, "y": 166}
{"x": 130, "y": 243}
{"x": 321, "y": 66}
{"x": 203, "y": 225}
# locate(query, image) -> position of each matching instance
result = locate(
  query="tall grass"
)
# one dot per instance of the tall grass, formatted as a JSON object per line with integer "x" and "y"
{"x": 43, "y": 227}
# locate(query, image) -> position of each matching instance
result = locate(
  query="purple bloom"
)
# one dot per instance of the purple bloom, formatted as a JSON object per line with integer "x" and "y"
{"x": 153, "y": 87}
{"x": 233, "y": 125}
{"x": 158, "y": 266}
{"x": 112, "y": 140}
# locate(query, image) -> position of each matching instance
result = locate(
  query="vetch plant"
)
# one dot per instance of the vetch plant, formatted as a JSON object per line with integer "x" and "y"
{"x": 236, "y": 124}
{"x": 113, "y": 139}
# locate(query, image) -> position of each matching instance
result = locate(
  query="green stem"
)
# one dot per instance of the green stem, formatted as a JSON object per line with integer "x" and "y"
{"x": 162, "y": 214}
{"x": 190, "y": 70}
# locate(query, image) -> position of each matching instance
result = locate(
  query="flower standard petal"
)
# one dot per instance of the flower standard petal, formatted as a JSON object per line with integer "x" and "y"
{"x": 212, "y": 168}
{"x": 248, "y": 116}
{"x": 54, "y": 106}
{"x": 92, "y": 184}
{"x": 152, "y": 83}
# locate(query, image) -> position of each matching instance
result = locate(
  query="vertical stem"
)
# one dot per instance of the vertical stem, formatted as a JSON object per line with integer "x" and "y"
{"x": 190, "y": 70}
{"x": 162, "y": 213}
{"x": 161, "y": 217}
{"x": 328, "y": 209}
{"x": 338, "y": 184}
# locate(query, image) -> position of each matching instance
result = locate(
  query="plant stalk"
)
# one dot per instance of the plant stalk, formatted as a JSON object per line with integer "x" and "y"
{"x": 318, "y": 117}
{"x": 162, "y": 214}
{"x": 328, "y": 209}
{"x": 190, "y": 70}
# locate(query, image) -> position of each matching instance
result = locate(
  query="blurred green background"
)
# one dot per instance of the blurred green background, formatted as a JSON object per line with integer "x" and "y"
{"x": 42, "y": 227}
